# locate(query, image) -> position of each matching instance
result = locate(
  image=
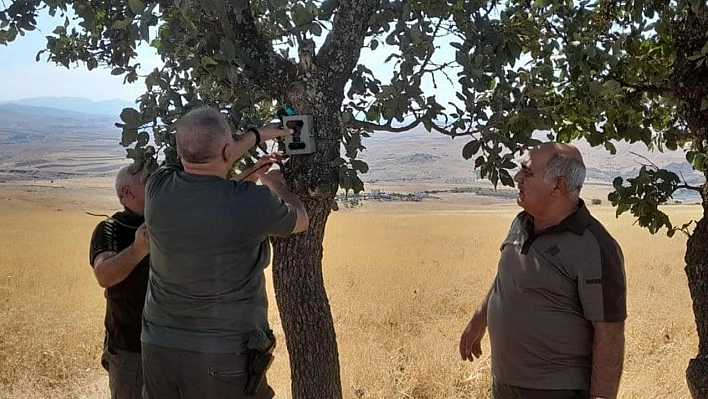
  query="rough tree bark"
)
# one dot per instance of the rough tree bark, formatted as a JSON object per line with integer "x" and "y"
{"x": 691, "y": 84}
{"x": 297, "y": 261}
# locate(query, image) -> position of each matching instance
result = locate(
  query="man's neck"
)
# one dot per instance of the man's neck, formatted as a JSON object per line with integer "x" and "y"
{"x": 206, "y": 169}
{"x": 556, "y": 216}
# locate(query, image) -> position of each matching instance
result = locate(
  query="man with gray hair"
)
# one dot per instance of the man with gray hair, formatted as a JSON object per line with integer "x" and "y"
{"x": 120, "y": 261}
{"x": 556, "y": 309}
{"x": 205, "y": 326}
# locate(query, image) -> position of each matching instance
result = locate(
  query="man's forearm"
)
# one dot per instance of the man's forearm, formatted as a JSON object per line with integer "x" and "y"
{"x": 607, "y": 359}
{"x": 111, "y": 270}
{"x": 246, "y": 142}
{"x": 295, "y": 201}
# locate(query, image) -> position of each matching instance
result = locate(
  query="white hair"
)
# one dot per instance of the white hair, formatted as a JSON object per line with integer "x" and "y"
{"x": 126, "y": 176}
{"x": 564, "y": 165}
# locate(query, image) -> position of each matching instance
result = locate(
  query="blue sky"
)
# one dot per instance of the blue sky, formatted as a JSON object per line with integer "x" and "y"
{"x": 22, "y": 77}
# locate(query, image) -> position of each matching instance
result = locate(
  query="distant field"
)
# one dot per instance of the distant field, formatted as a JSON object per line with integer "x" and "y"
{"x": 401, "y": 284}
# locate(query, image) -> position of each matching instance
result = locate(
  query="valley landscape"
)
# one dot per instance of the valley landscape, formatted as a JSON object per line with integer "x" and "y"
{"x": 403, "y": 277}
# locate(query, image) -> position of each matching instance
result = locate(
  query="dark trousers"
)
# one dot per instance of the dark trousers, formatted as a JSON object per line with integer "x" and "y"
{"x": 125, "y": 373}
{"x": 504, "y": 391}
{"x": 179, "y": 374}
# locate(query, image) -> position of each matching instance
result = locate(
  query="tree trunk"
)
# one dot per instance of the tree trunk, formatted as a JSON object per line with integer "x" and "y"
{"x": 691, "y": 86}
{"x": 305, "y": 312}
{"x": 697, "y": 274}
{"x": 297, "y": 261}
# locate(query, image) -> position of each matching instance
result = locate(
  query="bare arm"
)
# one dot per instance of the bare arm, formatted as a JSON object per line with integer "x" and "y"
{"x": 248, "y": 138}
{"x": 471, "y": 340}
{"x": 110, "y": 268}
{"x": 274, "y": 180}
{"x": 607, "y": 359}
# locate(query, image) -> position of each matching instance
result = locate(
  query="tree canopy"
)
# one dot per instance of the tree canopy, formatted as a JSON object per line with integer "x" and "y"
{"x": 603, "y": 71}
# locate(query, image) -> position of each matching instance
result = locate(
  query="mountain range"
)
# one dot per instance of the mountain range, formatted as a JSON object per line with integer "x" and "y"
{"x": 37, "y": 134}
{"x": 76, "y": 107}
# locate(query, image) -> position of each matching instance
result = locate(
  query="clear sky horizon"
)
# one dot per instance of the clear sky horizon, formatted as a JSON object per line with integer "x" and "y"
{"x": 22, "y": 77}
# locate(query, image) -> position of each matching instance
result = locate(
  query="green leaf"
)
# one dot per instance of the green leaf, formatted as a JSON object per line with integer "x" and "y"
{"x": 301, "y": 16}
{"x": 360, "y": 166}
{"x": 131, "y": 117}
{"x": 470, "y": 149}
{"x": 327, "y": 9}
{"x": 506, "y": 178}
{"x": 122, "y": 24}
{"x": 208, "y": 61}
{"x": 136, "y": 6}
{"x": 117, "y": 71}
{"x": 278, "y": 3}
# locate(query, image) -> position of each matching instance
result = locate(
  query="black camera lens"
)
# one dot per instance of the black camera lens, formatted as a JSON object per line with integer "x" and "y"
{"x": 297, "y": 145}
{"x": 295, "y": 125}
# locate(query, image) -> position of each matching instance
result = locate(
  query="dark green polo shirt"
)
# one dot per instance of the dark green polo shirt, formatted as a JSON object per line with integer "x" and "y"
{"x": 550, "y": 287}
{"x": 208, "y": 247}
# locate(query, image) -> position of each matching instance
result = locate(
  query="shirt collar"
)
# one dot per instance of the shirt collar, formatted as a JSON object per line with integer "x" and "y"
{"x": 576, "y": 222}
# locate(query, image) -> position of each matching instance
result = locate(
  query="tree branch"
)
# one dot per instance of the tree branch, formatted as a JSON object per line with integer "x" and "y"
{"x": 267, "y": 68}
{"x": 645, "y": 158}
{"x": 340, "y": 52}
{"x": 688, "y": 187}
{"x": 386, "y": 128}
{"x": 648, "y": 88}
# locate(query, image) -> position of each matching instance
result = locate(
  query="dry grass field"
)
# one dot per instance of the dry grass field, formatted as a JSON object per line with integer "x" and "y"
{"x": 402, "y": 285}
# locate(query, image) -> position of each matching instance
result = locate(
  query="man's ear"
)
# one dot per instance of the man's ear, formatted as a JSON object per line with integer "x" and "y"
{"x": 561, "y": 185}
{"x": 226, "y": 152}
{"x": 126, "y": 191}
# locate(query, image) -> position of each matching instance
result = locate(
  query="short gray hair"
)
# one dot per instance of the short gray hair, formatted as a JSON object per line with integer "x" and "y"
{"x": 126, "y": 176}
{"x": 200, "y": 134}
{"x": 564, "y": 165}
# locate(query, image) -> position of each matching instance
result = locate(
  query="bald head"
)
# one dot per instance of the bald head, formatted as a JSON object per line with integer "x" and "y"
{"x": 564, "y": 160}
{"x": 201, "y": 134}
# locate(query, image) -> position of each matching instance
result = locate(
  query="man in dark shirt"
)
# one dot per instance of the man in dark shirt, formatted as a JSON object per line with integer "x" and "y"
{"x": 120, "y": 261}
{"x": 206, "y": 311}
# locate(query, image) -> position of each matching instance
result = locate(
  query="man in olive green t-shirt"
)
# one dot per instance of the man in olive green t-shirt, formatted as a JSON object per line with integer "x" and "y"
{"x": 556, "y": 309}
{"x": 206, "y": 298}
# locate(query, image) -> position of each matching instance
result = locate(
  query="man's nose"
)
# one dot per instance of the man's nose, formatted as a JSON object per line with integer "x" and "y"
{"x": 518, "y": 176}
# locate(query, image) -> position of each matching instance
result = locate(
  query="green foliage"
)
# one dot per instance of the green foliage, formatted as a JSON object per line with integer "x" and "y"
{"x": 601, "y": 71}
{"x": 596, "y": 201}
{"x": 643, "y": 195}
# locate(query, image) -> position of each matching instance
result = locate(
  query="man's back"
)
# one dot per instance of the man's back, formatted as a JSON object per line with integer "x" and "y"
{"x": 208, "y": 237}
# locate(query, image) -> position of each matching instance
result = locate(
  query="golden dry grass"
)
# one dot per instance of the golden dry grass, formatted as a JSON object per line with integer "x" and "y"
{"x": 401, "y": 285}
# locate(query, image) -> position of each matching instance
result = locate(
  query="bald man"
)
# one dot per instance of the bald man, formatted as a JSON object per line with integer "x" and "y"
{"x": 205, "y": 325}
{"x": 120, "y": 261}
{"x": 556, "y": 309}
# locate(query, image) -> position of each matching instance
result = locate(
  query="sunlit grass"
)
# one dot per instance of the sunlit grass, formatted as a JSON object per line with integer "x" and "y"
{"x": 401, "y": 285}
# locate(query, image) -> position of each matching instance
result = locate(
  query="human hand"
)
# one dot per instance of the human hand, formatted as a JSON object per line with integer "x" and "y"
{"x": 273, "y": 131}
{"x": 254, "y": 172}
{"x": 273, "y": 179}
{"x": 142, "y": 240}
{"x": 471, "y": 340}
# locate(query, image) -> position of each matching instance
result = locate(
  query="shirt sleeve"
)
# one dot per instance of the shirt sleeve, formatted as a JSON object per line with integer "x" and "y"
{"x": 602, "y": 285}
{"x": 274, "y": 217}
{"x": 103, "y": 240}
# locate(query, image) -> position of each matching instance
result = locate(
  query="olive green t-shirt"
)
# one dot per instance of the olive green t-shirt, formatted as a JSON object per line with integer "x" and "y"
{"x": 550, "y": 287}
{"x": 208, "y": 248}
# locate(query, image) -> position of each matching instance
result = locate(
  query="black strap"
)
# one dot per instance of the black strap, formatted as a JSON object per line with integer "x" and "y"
{"x": 258, "y": 135}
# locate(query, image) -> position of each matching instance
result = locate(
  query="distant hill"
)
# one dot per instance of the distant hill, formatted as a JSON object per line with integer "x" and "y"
{"x": 22, "y": 123}
{"x": 48, "y": 112}
{"x": 75, "y": 104}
